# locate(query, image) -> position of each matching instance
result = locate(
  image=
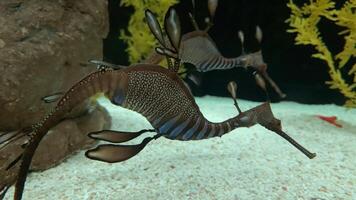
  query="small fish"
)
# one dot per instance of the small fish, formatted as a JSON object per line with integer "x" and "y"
{"x": 102, "y": 65}
{"x": 331, "y": 120}
{"x": 53, "y": 97}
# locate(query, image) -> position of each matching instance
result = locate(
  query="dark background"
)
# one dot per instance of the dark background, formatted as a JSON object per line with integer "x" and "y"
{"x": 301, "y": 77}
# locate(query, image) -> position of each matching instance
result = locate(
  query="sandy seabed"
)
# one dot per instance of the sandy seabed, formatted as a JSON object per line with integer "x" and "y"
{"x": 248, "y": 163}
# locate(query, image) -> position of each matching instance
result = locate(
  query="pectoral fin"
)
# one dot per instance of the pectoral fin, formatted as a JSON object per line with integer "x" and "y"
{"x": 116, "y": 136}
{"x": 116, "y": 153}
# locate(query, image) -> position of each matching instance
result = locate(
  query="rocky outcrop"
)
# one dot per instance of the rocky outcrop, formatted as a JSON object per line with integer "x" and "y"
{"x": 61, "y": 141}
{"x": 44, "y": 49}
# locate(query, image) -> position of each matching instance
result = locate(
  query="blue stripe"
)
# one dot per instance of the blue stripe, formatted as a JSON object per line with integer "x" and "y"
{"x": 166, "y": 126}
{"x": 119, "y": 97}
{"x": 202, "y": 132}
{"x": 191, "y": 131}
{"x": 178, "y": 129}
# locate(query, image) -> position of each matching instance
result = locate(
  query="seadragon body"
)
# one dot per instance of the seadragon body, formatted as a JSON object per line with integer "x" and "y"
{"x": 198, "y": 49}
{"x": 156, "y": 93}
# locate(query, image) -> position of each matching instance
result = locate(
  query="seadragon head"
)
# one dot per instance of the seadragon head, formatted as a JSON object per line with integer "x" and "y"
{"x": 263, "y": 116}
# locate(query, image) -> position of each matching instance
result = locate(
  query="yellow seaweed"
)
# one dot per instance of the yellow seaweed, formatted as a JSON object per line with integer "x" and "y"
{"x": 304, "y": 21}
{"x": 138, "y": 37}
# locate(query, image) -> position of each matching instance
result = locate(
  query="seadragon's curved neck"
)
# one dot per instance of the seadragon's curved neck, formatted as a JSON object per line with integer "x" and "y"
{"x": 218, "y": 129}
{"x": 198, "y": 127}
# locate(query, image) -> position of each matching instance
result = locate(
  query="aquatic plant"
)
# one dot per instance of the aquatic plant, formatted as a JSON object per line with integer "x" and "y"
{"x": 304, "y": 21}
{"x": 138, "y": 37}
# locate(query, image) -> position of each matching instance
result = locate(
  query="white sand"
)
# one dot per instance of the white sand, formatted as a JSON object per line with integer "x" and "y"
{"x": 245, "y": 164}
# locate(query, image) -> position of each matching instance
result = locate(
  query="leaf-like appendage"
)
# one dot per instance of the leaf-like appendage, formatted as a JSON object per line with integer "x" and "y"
{"x": 212, "y": 5}
{"x": 193, "y": 4}
{"x": 154, "y": 27}
{"x": 173, "y": 29}
{"x": 232, "y": 88}
{"x": 258, "y": 34}
{"x": 260, "y": 81}
{"x": 241, "y": 37}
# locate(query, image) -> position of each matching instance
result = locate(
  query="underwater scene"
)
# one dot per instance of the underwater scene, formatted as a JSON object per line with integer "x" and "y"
{"x": 181, "y": 100}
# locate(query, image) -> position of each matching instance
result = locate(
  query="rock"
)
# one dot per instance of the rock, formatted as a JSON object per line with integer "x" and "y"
{"x": 2, "y": 43}
{"x": 69, "y": 136}
{"x": 62, "y": 140}
{"x": 44, "y": 49}
{"x": 48, "y": 44}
